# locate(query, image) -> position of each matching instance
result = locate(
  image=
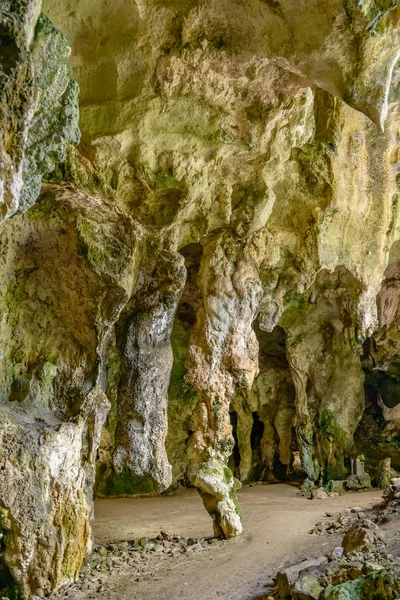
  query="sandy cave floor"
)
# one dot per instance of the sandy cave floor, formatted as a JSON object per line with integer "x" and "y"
{"x": 276, "y": 521}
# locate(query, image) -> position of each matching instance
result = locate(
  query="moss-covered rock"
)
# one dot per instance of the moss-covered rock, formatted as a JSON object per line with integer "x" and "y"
{"x": 125, "y": 483}
{"x": 52, "y": 406}
{"x": 55, "y": 120}
{"x": 377, "y": 585}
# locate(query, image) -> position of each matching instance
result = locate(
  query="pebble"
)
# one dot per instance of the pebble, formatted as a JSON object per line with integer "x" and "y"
{"x": 139, "y": 556}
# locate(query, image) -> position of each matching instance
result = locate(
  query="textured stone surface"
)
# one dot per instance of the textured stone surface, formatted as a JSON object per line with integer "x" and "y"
{"x": 361, "y": 537}
{"x": 255, "y": 142}
{"x": 38, "y": 103}
{"x": 217, "y": 488}
{"x": 381, "y": 584}
{"x": 53, "y": 403}
{"x": 272, "y": 157}
{"x": 18, "y": 21}
{"x": 146, "y": 357}
{"x": 54, "y": 124}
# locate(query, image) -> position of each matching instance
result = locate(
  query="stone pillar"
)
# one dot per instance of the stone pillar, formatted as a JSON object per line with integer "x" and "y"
{"x": 147, "y": 360}
{"x": 222, "y": 358}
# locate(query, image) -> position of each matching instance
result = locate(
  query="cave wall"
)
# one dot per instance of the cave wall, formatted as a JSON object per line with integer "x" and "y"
{"x": 233, "y": 178}
{"x": 53, "y": 402}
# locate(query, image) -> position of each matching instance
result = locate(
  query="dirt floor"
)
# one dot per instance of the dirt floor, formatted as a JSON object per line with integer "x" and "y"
{"x": 276, "y": 521}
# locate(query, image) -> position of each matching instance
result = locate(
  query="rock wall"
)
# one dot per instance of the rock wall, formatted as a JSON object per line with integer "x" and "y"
{"x": 38, "y": 103}
{"x": 54, "y": 337}
{"x": 221, "y": 246}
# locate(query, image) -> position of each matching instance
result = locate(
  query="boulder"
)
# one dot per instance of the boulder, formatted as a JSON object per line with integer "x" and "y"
{"x": 379, "y": 585}
{"x": 358, "y": 482}
{"x": 286, "y": 580}
{"x": 362, "y": 537}
{"x": 337, "y": 485}
{"x": 319, "y": 494}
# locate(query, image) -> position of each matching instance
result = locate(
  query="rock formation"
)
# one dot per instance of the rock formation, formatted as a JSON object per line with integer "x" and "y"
{"x": 211, "y": 266}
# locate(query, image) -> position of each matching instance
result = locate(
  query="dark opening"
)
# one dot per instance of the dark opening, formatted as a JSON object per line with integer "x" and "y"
{"x": 256, "y": 432}
{"x": 8, "y": 589}
{"x": 234, "y": 460}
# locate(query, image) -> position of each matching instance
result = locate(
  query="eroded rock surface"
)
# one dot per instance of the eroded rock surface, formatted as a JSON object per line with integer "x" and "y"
{"x": 38, "y": 103}
{"x": 221, "y": 251}
{"x": 367, "y": 565}
{"x": 54, "y": 405}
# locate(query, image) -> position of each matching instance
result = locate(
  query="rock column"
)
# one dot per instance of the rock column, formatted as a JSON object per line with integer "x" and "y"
{"x": 222, "y": 358}
{"x": 147, "y": 360}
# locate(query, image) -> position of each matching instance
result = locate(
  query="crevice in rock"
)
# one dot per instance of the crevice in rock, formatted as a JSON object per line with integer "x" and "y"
{"x": 264, "y": 417}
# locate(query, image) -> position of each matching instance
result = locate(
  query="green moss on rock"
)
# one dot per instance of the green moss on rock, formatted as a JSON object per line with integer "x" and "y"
{"x": 106, "y": 253}
{"x": 329, "y": 426}
{"x": 125, "y": 483}
{"x": 377, "y": 585}
{"x": 55, "y": 122}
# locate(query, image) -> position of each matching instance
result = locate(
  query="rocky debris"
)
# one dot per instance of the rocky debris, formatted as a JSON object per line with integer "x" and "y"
{"x": 330, "y": 577}
{"x": 292, "y": 577}
{"x": 142, "y": 557}
{"x": 342, "y": 522}
{"x": 316, "y": 578}
{"x": 362, "y": 536}
{"x": 354, "y": 483}
{"x": 335, "y": 487}
{"x": 390, "y": 507}
{"x": 365, "y": 566}
{"x": 380, "y": 584}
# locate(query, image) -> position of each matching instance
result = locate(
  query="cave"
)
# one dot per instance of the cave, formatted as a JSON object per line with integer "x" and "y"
{"x": 199, "y": 299}
{"x": 263, "y": 418}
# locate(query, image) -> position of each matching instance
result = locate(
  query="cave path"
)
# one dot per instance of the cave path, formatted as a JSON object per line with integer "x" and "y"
{"x": 276, "y": 524}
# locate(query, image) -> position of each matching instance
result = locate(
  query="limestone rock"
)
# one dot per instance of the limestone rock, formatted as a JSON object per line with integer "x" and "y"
{"x": 255, "y": 142}
{"x": 379, "y": 584}
{"x": 18, "y": 20}
{"x": 146, "y": 357}
{"x": 338, "y": 486}
{"x": 358, "y": 482}
{"x": 288, "y": 579}
{"x": 217, "y": 488}
{"x": 307, "y": 588}
{"x": 361, "y": 537}
{"x": 319, "y": 494}
{"x": 383, "y": 476}
{"x": 38, "y": 103}
{"x": 54, "y": 124}
{"x": 53, "y": 403}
